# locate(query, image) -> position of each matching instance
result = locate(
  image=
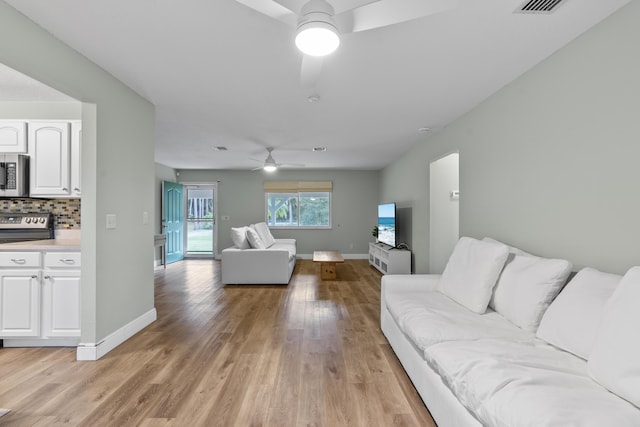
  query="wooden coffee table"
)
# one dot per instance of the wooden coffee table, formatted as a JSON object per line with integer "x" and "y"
{"x": 327, "y": 260}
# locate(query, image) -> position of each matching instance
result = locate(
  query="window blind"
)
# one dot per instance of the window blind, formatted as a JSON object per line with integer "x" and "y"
{"x": 297, "y": 186}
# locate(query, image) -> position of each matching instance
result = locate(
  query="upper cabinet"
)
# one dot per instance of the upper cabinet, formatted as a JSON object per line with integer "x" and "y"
{"x": 13, "y": 136}
{"x": 54, "y": 149}
{"x": 50, "y": 152}
{"x": 76, "y": 158}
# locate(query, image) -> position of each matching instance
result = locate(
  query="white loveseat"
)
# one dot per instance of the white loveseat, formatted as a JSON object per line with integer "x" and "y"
{"x": 257, "y": 257}
{"x": 533, "y": 356}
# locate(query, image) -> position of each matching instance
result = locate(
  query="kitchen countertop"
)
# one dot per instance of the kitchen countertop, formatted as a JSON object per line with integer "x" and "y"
{"x": 43, "y": 245}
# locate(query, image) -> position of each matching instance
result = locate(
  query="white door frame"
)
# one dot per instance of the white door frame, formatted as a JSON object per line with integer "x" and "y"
{"x": 214, "y": 185}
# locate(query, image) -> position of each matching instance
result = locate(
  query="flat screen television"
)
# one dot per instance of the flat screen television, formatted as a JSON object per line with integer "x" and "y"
{"x": 387, "y": 224}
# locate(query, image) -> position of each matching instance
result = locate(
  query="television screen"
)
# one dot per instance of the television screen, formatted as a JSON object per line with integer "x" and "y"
{"x": 387, "y": 224}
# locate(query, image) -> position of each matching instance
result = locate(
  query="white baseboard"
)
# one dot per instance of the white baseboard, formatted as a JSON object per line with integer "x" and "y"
{"x": 41, "y": 342}
{"x": 345, "y": 256}
{"x": 94, "y": 351}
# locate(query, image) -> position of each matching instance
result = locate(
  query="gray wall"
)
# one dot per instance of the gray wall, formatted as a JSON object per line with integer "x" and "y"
{"x": 117, "y": 173}
{"x": 354, "y": 200}
{"x": 549, "y": 163}
{"x": 40, "y": 110}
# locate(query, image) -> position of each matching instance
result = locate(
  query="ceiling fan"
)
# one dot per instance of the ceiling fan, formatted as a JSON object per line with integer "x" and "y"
{"x": 270, "y": 165}
{"x": 313, "y": 18}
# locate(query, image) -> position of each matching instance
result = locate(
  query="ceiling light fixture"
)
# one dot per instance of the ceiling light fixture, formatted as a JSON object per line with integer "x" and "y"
{"x": 319, "y": 149}
{"x": 269, "y": 164}
{"x": 317, "y": 34}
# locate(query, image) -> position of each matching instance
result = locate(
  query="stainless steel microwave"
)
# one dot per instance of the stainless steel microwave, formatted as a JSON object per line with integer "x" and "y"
{"x": 14, "y": 175}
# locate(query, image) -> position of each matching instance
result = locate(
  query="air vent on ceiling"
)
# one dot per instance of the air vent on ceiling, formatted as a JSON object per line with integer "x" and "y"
{"x": 539, "y": 6}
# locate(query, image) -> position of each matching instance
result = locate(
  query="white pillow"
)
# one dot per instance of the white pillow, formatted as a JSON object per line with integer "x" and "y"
{"x": 264, "y": 233}
{"x": 472, "y": 271}
{"x": 239, "y": 237}
{"x": 526, "y": 287}
{"x": 614, "y": 361}
{"x": 571, "y": 321}
{"x": 254, "y": 239}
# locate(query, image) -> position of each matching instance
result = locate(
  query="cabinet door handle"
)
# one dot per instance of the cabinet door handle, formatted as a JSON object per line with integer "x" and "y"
{"x": 35, "y": 277}
{"x": 76, "y": 189}
{"x": 19, "y": 260}
{"x": 65, "y": 189}
{"x": 67, "y": 261}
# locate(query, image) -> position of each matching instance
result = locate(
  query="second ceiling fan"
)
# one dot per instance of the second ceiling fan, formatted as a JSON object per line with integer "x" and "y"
{"x": 319, "y": 27}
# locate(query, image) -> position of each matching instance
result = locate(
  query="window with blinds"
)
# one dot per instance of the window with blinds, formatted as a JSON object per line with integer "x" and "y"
{"x": 292, "y": 204}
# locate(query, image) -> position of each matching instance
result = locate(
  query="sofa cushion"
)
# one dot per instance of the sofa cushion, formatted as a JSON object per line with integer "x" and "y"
{"x": 254, "y": 239}
{"x": 526, "y": 287}
{"x": 505, "y": 383}
{"x": 571, "y": 321}
{"x": 239, "y": 237}
{"x": 615, "y": 358}
{"x": 265, "y": 234}
{"x": 430, "y": 317}
{"x": 472, "y": 272}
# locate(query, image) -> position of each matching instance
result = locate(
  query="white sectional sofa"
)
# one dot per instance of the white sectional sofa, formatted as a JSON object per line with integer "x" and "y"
{"x": 493, "y": 342}
{"x": 257, "y": 257}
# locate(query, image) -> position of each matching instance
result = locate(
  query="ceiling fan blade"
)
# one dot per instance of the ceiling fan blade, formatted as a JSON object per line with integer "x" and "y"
{"x": 272, "y": 9}
{"x": 310, "y": 72}
{"x": 388, "y": 12}
{"x": 293, "y": 5}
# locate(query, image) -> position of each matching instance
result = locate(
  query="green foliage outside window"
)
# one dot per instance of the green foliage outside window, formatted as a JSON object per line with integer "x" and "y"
{"x": 299, "y": 209}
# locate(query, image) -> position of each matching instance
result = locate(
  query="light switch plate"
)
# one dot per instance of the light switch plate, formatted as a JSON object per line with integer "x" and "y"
{"x": 111, "y": 221}
{"x": 145, "y": 217}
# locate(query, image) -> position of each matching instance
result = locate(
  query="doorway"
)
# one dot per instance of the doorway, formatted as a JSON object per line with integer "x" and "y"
{"x": 444, "y": 199}
{"x": 200, "y": 225}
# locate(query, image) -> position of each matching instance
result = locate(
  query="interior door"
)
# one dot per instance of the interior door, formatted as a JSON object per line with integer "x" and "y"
{"x": 173, "y": 220}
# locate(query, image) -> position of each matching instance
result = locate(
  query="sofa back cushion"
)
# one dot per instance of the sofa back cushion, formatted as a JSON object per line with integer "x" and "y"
{"x": 472, "y": 271}
{"x": 571, "y": 321}
{"x": 265, "y": 234}
{"x": 526, "y": 287}
{"x": 239, "y": 237}
{"x": 614, "y": 361}
{"x": 254, "y": 239}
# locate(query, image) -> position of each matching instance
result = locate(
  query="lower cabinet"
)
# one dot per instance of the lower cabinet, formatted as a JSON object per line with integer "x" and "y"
{"x": 19, "y": 303}
{"x": 40, "y": 306}
{"x": 61, "y": 303}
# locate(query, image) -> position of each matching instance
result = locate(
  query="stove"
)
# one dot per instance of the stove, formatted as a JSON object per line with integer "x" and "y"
{"x": 23, "y": 227}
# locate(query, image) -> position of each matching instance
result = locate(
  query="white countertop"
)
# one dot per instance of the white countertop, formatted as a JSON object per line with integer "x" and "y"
{"x": 43, "y": 245}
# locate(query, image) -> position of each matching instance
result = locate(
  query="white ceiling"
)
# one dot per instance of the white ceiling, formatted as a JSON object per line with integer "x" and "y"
{"x": 222, "y": 74}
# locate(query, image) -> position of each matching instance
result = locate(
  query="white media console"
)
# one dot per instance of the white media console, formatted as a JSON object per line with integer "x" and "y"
{"x": 389, "y": 260}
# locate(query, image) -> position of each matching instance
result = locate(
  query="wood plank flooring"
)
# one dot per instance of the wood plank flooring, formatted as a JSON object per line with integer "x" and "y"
{"x": 307, "y": 354}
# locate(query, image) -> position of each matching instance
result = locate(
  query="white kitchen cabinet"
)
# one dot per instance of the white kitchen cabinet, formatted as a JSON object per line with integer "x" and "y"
{"x": 13, "y": 136}
{"x": 19, "y": 303}
{"x": 61, "y": 294}
{"x": 40, "y": 298}
{"x": 61, "y": 303}
{"x": 76, "y": 158}
{"x": 50, "y": 150}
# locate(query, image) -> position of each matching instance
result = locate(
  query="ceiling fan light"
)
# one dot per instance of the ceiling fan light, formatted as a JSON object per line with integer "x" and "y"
{"x": 317, "y": 38}
{"x": 269, "y": 168}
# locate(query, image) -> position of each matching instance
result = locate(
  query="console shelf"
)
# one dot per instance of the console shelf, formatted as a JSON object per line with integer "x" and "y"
{"x": 388, "y": 260}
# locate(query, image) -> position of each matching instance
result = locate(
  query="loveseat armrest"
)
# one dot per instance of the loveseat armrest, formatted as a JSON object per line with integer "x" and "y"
{"x": 287, "y": 241}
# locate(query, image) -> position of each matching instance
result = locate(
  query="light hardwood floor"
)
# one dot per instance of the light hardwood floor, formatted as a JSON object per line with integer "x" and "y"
{"x": 307, "y": 354}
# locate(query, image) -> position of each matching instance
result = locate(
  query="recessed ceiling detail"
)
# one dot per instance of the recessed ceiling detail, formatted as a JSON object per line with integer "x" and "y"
{"x": 540, "y": 6}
